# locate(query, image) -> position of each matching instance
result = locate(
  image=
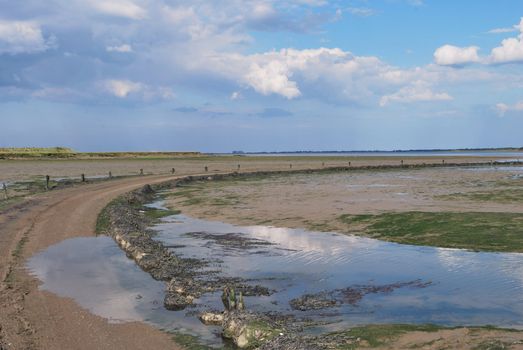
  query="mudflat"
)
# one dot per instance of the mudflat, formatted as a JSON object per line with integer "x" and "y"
{"x": 403, "y": 205}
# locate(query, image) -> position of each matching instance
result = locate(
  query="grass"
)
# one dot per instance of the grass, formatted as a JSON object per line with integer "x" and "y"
{"x": 377, "y": 335}
{"x": 103, "y": 224}
{"x": 502, "y": 232}
{"x": 156, "y": 214}
{"x": 508, "y": 195}
{"x": 191, "y": 342}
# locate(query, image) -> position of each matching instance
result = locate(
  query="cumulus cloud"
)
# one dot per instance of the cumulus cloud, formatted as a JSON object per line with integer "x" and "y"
{"x": 204, "y": 45}
{"x": 417, "y": 92}
{"x": 503, "y": 108}
{"x": 272, "y": 77}
{"x": 511, "y": 49}
{"x": 18, "y": 37}
{"x": 449, "y": 55}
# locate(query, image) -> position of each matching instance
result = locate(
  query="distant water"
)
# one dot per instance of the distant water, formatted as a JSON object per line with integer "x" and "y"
{"x": 511, "y": 154}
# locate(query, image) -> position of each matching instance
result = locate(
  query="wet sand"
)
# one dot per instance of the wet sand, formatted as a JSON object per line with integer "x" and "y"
{"x": 315, "y": 201}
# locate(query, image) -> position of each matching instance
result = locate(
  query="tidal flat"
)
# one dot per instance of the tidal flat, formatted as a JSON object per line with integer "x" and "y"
{"x": 475, "y": 208}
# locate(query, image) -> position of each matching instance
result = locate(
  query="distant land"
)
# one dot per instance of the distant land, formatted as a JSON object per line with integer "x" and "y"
{"x": 69, "y": 153}
{"x": 65, "y": 153}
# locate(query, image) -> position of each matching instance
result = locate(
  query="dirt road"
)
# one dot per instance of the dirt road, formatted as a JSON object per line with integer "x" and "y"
{"x": 35, "y": 319}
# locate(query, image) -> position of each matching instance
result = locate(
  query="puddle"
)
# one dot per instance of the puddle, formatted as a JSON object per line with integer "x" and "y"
{"x": 96, "y": 273}
{"x": 368, "y": 281}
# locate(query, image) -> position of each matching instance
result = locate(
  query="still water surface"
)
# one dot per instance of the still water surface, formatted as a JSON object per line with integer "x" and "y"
{"x": 463, "y": 288}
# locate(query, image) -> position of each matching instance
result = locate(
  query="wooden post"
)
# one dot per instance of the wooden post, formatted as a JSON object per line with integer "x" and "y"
{"x": 110, "y": 175}
{"x": 206, "y": 168}
{"x": 238, "y": 166}
{"x": 443, "y": 161}
{"x": 402, "y": 162}
{"x": 172, "y": 171}
{"x": 290, "y": 166}
{"x": 141, "y": 172}
{"x": 349, "y": 163}
{"x": 5, "y": 190}
{"x": 322, "y": 164}
{"x": 47, "y": 178}
{"x": 83, "y": 177}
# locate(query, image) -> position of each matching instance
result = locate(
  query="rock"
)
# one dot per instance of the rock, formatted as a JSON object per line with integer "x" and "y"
{"x": 248, "y": 330}
{"x": 147, "y": 189}
{"x": 176, "y": 302}
{"x": 212, "y": 318}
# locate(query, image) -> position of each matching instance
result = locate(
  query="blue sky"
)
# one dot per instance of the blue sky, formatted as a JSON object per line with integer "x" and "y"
{"x": 217, "y": 76}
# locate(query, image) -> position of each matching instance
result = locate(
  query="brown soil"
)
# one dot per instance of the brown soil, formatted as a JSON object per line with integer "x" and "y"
{"x": 35, "y": 319}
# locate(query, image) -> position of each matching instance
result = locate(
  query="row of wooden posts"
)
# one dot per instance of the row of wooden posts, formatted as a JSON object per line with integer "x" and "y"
{"x": 173, "y": 170}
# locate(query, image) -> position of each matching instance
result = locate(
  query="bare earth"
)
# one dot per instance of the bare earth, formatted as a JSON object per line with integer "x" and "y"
{"x": 35, "y": 319}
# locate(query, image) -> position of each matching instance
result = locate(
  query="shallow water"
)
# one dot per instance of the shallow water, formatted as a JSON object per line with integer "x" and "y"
{"x": 96, "y": 273}
{"x": 466, "y": 288}
{"x": 463, "y": 288}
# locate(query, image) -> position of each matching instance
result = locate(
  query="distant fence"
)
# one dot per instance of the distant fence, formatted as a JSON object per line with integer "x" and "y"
{"x": 49, "y": 183}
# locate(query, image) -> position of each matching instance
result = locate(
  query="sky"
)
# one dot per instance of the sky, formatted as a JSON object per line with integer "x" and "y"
{"x": 261, "y": 75}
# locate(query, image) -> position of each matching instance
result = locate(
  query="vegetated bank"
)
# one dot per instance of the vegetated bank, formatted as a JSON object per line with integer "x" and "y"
{"x": 69, "y": 153}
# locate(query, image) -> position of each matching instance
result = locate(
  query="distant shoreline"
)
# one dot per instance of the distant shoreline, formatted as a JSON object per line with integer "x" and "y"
{"x": 501, "y": 149}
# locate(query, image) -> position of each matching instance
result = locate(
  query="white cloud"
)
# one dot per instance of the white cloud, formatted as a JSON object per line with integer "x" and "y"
{"x": 511, "y": 49}
{"x": 361, "y": 11}
{"x": 22, "y": 37}
{"x": 503, "y": 108}
{"x": 416, "y": 92}
{"x": 449, "y": 55}
{"x": 126, "y": 88}
{"x": 122, "y": 88}
{"x": 119, "y": 8}
{"x": 236, "y": 95}
{"x": 503, "y": 30}
{"x": 120, "y": 48}
{"x": 272, "y": 77}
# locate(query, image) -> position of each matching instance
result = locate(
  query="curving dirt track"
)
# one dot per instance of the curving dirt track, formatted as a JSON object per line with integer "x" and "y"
{"x": 35, "y": 319}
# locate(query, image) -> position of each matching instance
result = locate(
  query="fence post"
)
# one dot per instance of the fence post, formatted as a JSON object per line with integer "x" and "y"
{"x": 402, "y": 162}
{"x": 238, "y": 166}
{"x": 172, "y": 171}
{"x": 5, "y": 190}
{"x": 206, "y": 168}
{"x": 110, "y": 175}
{"x": 349, "y": 163}
{"x": 443, "y": 161}
{"x": 290, "y": 166}
{"x": 322, "y": 164}
{"x": 83, "y": 177}
{"x": 47, "y": 178}
{"x": 141, "y": 172}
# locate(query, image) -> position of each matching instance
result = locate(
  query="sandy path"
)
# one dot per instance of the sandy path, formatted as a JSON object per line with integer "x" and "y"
{"x": 35, "y": 319}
